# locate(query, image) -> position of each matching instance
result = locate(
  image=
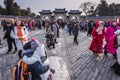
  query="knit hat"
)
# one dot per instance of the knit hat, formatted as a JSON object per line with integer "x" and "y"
{"x": 34, "y": 43}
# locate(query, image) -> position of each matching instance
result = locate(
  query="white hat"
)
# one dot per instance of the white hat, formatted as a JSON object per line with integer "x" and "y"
{"x": 101, "y": 22}
{"x": 60, "y": 17}
{"x": 46, "y": 18}
{"x": 73, "y": 18}
{"x": 117, "y": 32}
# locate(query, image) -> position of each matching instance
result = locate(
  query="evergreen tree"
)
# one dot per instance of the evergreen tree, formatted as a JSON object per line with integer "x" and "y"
{"x": 8, "y": 5}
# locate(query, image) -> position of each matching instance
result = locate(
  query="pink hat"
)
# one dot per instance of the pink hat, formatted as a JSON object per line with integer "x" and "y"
{"x": 34, "y": 43}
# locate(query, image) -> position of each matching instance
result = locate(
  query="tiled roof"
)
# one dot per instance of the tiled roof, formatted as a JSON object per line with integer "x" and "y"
{"x": 75, "y": 12}
{"x": 46, "y": 12}
{"x": 60, "y": 10}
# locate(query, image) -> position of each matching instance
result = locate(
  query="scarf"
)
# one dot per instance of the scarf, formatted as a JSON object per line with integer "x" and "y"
{"x": 99, "y": 30}
{"x": 20, "y": 33}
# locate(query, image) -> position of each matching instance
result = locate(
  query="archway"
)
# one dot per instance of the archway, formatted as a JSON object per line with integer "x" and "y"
{"x": 60, "y": 16}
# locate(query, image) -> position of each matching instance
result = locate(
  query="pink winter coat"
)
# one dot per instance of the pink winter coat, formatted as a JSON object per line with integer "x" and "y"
{"x": 108, "y": 37}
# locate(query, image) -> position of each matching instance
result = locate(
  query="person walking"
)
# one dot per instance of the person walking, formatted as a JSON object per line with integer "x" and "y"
{"x": 76, "y": 32}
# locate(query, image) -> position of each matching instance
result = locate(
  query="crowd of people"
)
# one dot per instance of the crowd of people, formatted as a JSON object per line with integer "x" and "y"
{"x": 110, "y": 36}
{"x": 33, "y": 60}
{"x": 32, "y": 54}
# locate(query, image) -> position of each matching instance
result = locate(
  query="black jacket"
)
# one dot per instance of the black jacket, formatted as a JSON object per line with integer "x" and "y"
{"x": 76, "y": 30}
{"x": 8, "y": 30}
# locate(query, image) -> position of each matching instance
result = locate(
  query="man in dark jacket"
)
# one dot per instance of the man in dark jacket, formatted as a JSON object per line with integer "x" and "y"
{"x": 7, "y": 29}
{"x": 76, "y": 32}
{"x": 90, "y": 28}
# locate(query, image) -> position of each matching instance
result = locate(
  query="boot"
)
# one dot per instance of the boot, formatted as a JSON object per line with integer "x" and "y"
{"x": 105, "y": 52}
{"x": 56, "y": 41}
{"x": 8, "y": 52}
{"x": 115, "y": 56}
{"x": 20, "y": 54}
{"x": 54, "y": 46}
{"x": 117, "y": 72}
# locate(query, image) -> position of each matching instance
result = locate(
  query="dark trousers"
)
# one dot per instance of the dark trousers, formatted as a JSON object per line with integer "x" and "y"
{"x": 90, "y": 31}
{"x": 75, "y": 39}
{"x": 51, "y": 44}
{"x": 70, "y": 31}
{"x": 20, "y": 54}
{"x": 11, "y": 41}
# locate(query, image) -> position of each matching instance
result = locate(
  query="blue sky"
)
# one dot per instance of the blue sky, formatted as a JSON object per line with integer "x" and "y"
{"x": 38, "y": 5}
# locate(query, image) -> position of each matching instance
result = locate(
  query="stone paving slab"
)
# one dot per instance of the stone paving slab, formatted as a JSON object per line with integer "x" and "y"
{"x": 85, "y": 66}
{"x": 79, "y": 61}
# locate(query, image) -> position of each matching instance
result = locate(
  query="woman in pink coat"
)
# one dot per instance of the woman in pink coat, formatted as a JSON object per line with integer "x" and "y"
{"x": 109, "y": 37}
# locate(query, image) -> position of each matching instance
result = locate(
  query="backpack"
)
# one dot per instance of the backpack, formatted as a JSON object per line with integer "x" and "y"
{"x": 20, "y": 71}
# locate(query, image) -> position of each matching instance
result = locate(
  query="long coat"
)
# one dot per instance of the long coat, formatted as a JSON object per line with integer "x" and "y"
{"x": 55, "y": 29}
{"x": 76, "y": 30}
{"x": 108, "y": 37}
{"x": 19, "y": 43}
{"x": 118, "y": 49}
{"x": 97, "y": 41}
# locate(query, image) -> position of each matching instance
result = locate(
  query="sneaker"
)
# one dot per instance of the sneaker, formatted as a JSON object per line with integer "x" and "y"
{"x": 98, "y": 58}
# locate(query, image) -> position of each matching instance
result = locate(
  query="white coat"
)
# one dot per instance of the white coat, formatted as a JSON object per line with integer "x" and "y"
{"x": 118, "y": 49}
{"x": 18, "y": 42}
{"x": 38, "y": 53}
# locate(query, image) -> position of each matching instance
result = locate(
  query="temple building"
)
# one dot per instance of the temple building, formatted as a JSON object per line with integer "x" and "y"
{"x": 45, "y": 13}
{"x": 75, "y": 13}
{"x": 60, "y": 12}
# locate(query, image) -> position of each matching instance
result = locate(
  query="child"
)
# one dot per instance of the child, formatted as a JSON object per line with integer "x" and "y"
{"x": 50, "y": 39}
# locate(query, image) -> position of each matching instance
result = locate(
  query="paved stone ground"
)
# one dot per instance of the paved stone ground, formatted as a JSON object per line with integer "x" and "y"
{"x": 83, "y": 65}
{"x": 75, "y": 62}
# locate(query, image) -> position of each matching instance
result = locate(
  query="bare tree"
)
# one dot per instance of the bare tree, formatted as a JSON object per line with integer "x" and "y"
{"x": 87, "y": 7}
